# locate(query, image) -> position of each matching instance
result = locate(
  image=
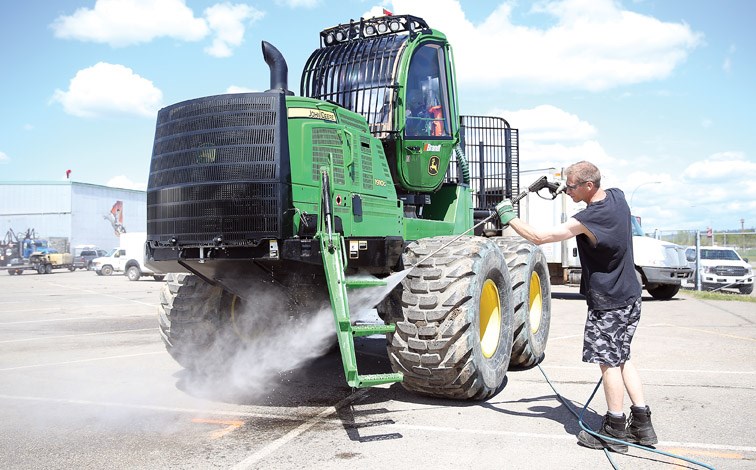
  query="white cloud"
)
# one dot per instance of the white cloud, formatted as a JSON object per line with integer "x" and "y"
{"x": 109, "y": 89}
{"x": 299, "y": 3}
{"x": 126, "y": 22}
{"x": 592, "y": 45}
{"x": 227, "y": 23}
{"x": 552, "y": 137}
{"x": 122, "y": 23}
{"x": 715, "y": 191}
{"x": 4, "y": 158}
{"x": 240, "y": 89}
{"x": 724, "y": 167}
{"x": 727, "y": 63}
{"x": 122, "y": 181}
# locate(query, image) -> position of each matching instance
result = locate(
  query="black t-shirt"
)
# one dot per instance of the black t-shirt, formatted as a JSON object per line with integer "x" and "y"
{"x": 608, "y": 280}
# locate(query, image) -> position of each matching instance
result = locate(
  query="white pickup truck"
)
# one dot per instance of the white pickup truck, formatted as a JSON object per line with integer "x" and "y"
{"x": 128, "y": 259}
{"x": 721, "y": 267}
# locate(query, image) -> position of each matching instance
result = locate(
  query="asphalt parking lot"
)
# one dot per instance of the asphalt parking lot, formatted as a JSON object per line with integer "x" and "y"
{"x": 86, "y": 383}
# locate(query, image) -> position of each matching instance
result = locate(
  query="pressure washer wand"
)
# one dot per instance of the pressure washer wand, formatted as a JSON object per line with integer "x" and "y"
{"x": 541, "y": 183}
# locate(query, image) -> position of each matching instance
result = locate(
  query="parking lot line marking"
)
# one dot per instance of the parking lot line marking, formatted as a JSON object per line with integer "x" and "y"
{"x": 706, "y": 453}
{"x": 716, "y": 333}
{"x": 32, "y": 366}
{"x": 74, "y": 336}
{"x": 167, "y": 409}
{"x": 89, "y": 291}
{"x": 107, "y": 317}
{"x": 322, "y": 417}
{"x": 250, "y": 461}
{"x": 229, "y": 426}
{"x": 687, "y": 371}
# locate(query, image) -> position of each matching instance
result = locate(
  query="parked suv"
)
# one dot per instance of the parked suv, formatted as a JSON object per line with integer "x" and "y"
{"x": 721, "y": 267}
{"x": 83, "y": 258}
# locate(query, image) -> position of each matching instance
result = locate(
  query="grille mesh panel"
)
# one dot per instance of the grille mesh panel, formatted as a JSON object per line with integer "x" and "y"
{"x": 216, "y": 170}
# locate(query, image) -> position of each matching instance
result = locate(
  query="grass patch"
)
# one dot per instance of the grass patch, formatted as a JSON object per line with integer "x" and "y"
{"x": 719, "y": 295}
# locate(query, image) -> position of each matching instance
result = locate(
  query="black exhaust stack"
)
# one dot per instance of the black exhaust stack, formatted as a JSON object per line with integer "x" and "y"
{"x": 279, "y": 71}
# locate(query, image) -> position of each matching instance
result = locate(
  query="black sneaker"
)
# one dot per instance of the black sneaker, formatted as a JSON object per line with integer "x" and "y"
{"x": 610, "y": 427}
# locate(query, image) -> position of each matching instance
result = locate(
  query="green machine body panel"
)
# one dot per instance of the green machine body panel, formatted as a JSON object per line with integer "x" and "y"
{"x": 323, "y": 135}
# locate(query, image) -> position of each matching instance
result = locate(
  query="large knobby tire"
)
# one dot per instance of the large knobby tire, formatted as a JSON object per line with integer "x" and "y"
{"x": 189, "y": 319}
{"x": 663, "y": 291}
{"x": 531, "y": 295}
{"x": 204, "y": 326}
{"x": 453, "y": 316}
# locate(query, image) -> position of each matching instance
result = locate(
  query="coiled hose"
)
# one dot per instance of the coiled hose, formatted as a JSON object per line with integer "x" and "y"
{"x": 464, "y": 166}
{"x": 607, "y": 438}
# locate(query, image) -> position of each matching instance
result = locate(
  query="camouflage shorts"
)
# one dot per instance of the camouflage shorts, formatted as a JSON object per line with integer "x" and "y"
{"x": 608, "y": 334}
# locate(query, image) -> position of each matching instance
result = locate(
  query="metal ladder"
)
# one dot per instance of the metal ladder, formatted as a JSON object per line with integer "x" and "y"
{"x": 333, "y": 250}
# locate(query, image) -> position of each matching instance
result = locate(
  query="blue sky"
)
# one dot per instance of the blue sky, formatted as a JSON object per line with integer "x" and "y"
{"x": 658, "y": 93}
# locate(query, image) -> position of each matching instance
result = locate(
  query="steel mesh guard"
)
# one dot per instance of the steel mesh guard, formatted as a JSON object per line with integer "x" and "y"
{"x": 359, "y": 76}
{"x": 491, "y": 147}
{"x": 218, "y": 169}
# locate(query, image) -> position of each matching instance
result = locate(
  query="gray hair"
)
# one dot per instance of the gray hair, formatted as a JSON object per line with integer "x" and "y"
{"x": 584, "y": 172}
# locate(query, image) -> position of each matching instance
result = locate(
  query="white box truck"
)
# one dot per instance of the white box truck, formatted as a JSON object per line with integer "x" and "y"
{"x": 128, "y": 258}
{"x": 660, "y": 266}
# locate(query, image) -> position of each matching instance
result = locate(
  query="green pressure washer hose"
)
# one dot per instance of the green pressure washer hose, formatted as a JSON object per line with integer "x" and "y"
{"x": 607, "y": 438}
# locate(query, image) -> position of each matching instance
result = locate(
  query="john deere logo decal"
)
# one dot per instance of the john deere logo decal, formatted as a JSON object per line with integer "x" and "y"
{"x": 433, "y": 165}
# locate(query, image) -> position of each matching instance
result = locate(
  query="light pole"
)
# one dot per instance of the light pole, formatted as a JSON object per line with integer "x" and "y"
{"x": 636, "y": 188}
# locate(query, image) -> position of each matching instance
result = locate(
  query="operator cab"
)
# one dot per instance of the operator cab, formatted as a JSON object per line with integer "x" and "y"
{"x": 397, "y": 73}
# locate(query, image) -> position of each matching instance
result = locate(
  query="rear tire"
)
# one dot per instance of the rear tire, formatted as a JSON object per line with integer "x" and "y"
{"x": 48, "y": 269}
{"x": 453, "y": 336}
{"x": 663, "y": 291}
{"x": 531, "y": 294}
{"x": 133, "y": 273}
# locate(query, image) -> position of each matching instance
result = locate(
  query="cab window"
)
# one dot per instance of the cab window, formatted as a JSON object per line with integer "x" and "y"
{"x": 427, "y": 99}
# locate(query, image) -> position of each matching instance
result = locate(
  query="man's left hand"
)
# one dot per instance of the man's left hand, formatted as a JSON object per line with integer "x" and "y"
{"x": 506, "y": 212}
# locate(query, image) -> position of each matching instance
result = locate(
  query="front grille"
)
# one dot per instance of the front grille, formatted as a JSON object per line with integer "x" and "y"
{"x": 219, "y": 168}
{"x": 730, "y": 271}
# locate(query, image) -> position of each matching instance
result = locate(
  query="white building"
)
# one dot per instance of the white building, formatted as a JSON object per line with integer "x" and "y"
{"x": 69, "y": 213}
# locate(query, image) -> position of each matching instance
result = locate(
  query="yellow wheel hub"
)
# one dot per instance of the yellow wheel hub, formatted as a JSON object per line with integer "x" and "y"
{"x": 535, "y": 302}
{"x": 490, "y": 318}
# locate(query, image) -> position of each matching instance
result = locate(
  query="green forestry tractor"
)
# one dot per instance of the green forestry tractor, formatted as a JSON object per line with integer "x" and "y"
{"x": 369, "y": 172}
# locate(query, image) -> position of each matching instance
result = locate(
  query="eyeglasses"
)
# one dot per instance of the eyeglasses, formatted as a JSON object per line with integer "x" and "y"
{"x": 572, "y": 187}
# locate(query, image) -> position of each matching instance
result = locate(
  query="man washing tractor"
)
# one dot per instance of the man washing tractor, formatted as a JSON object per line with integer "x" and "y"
{"x": 613, "y": 294}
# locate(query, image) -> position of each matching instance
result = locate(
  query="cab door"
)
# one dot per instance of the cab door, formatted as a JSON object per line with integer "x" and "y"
{"x": 431, "y": 118}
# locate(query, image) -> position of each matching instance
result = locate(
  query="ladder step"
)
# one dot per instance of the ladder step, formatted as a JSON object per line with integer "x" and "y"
{"x": 364, "y": 282}
{"x": 373, "y": 329}
{"x": 370, "y": 380}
